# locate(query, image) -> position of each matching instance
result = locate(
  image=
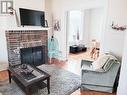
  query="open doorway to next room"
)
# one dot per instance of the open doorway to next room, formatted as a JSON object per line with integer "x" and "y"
{"x": 84, "y": 32}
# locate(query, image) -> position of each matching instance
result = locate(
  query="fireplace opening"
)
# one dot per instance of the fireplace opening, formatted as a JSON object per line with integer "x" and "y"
{"x": 34, "y": 56}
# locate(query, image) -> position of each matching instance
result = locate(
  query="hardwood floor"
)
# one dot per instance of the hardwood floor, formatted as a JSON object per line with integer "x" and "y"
{"x": 81, "y": 55}
{"x": 3, "y": 76}
{"x": 86, "y": 92}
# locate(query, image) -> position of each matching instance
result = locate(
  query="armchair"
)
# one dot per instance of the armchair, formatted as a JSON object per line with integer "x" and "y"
{"x": 99, "y": 80}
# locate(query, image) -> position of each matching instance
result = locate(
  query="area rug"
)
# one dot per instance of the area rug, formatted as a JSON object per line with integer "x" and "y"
{"x": 62, "y": 83}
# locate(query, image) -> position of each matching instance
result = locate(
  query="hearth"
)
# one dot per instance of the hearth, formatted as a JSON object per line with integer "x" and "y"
{"x": 27, "y": 46}
{"x": 34, "y": 56}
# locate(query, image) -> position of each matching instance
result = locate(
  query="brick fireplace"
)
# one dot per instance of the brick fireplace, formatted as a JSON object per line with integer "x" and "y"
{"x": 27, "y": 40}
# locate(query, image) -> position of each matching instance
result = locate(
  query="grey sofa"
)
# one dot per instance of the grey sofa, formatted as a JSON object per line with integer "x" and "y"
{"x": 99, "y": 81}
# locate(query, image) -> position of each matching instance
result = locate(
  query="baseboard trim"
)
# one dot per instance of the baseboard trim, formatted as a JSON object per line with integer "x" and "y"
{"x": 3, "y": 66}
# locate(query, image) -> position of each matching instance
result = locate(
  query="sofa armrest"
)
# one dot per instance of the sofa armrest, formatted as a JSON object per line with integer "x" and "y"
{"x": 86, "y": 62}
{"x": 100, "y": 78}
{"x": 93, "y": 71}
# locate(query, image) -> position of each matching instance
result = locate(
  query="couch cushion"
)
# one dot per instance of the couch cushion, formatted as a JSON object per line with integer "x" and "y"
{"x": 112, "y": 59}
{"x": 108, "y": 65}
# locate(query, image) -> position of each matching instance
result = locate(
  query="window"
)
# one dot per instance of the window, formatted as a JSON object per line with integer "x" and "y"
{"x": 5, "y": 5}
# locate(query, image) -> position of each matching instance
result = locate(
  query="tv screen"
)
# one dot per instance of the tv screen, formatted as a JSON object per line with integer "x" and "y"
{"x": 32, "y": 17}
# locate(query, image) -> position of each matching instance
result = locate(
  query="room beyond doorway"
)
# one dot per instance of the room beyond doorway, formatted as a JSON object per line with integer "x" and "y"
{"x": 83, "y": 26}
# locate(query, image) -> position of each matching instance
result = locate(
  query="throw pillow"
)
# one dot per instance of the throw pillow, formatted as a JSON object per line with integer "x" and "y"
{"x": 98, "y": 64}
{"x": 108, "y": 65}
{"x": 112, "y": 59}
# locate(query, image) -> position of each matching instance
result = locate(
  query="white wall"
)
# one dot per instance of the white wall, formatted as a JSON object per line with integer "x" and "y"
{"x": 30, "y": 4}
{"x": 3, "y": 48}
{"x": 123, "y": 74}
{"x": 60, "y": 8}
{"x": 93, "y": 25}
{"x": 86, "y": 27}
{"x": 3, "y": 20}
{"x": 118, "y": 11}
{"x": 48, "y": 14}
{"x": 113, "y": 40}
{"x": 96, "y": 22}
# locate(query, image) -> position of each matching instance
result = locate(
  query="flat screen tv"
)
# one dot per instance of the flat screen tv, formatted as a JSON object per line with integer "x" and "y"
{"x": 32, "y": 17}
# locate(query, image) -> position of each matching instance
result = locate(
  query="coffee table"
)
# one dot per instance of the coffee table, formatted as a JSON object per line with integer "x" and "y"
{"x": 29, "y": 81}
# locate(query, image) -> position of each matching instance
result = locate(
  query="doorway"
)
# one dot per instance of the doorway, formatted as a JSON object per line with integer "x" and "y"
{"x": 83, "y": 26}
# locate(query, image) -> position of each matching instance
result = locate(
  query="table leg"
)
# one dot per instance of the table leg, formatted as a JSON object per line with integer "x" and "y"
{"x": 28, "y": 92}
{"x": 9, "y": 73}
{"x": 48, "y": 85}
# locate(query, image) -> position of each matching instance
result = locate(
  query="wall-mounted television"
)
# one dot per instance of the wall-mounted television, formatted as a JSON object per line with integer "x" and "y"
{"x": 30, "y": 17}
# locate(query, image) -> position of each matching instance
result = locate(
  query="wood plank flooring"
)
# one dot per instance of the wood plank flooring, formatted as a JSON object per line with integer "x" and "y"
{"x": 86, "y": 92}
{"x": 3, "y": 76}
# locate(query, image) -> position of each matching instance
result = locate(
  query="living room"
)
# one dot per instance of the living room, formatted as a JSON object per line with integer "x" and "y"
{"x": 64, "y": 82}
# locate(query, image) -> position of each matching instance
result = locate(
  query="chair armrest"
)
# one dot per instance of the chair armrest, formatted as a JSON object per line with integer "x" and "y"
{"x": 100, "y": 78}
{"x": 93, "y": 71}
{"x": 87, "y": 62}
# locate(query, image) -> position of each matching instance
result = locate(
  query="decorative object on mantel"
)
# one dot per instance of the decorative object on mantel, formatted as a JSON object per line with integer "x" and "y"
{"x": 118, "y": 27}
{"x": 12, "y": 11}
{"x": 46, "y": 23}
{"x": 5, "y": 5}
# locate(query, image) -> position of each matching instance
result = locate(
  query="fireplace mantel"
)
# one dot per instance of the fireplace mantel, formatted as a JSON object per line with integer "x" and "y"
{"x": 26, "y": 28}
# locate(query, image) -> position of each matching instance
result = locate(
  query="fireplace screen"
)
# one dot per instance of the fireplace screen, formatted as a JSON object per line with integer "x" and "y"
{"x": 34, "y": 56}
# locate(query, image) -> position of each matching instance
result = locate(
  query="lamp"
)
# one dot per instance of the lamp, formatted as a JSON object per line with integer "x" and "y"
{"x": 13, "y": 12}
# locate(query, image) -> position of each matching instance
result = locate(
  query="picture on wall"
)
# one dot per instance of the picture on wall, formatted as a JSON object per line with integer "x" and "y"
{"x": 5, "y": 6}
{"x": 56, "y": 25}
